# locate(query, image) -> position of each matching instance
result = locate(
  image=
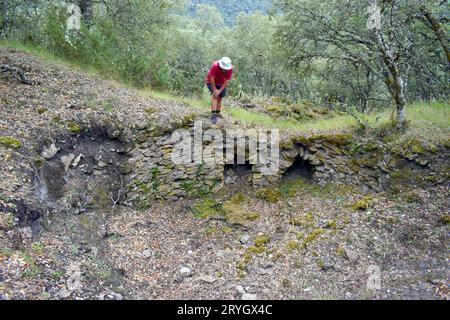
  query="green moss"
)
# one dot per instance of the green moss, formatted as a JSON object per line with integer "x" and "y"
{"x": 236, "y": 214}
{"x": 292, "y": 245}
{"x": 445, "y": 219}
{"x": 311, "y": 237}
{"x": 339, "y": 139}
{"x": 447, "y": 143}
{"x": 269, "y": 194}
{"x": 398, "y": 175}
{"x": 58, "y": 274}
{"x": 187, "y": 185}
{"x": 206, "y": 208}
{"x": 238, "y": 198}
{"x": 10, "y": 142}
{"x": 370, "y": 146}
{"x": 392, "y": 220}
{"x": 32, "y": 270}
{"x": 41, "y": 110}
{"x": 73, "y": 127}
{"x": 6, "y": 221}
{"x": 412, "y": 197}
{"x": 188, "y": 118}
{"x": 276, "y": 109}
{"x": 287, "y": 144}
{"x": 340, "y": 251}
{"x": 304, "y": 221}
{"x": 150, "y": 110}
{"x": 256, "y": 249}
{"x": 39, "y": 162}
{"x": 415, "y": 146}
{"x": 37, "y": 247}
{"x": 261, "y": 240}
{"x": 320, "y": 263}
{"x": 362, "y": 204}
{"x": 217, "y": 230}
{"x": 57, "y": 119}
{"x": 331, "y": 225}
{"x": 369, "y": 160}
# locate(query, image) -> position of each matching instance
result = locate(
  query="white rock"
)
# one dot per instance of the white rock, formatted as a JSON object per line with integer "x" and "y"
{"x": 74, "y": 281}
{"x": 249, "y": 296}
{"x": 244, "y": 239}
{"x": 147, "y": 253}
{"x": 26, "y": 233}
{"x": 50, "y": 151}
{"x": 208, "y": 279}
{"x": 77, "y": 160}
{"x": 67, "y": 160}
{"x": 102, "y": 164}
{"x": 185, "y": 270}
{"x": 352, "y": 255}
{"x": 240, "y": 289}
{"x": 63, "y": 293}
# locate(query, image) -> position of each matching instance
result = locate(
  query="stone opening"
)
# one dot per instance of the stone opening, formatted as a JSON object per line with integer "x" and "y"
{"x": 83, "y": 173}
{"x": 238, "y": 173}
{"x": 300, "y": 168}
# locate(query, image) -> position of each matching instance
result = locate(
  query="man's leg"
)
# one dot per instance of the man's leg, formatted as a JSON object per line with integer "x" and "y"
{"x": 214, "y": 110}
{"x": 214, "y": 103}
{"x": 219, "y": 104}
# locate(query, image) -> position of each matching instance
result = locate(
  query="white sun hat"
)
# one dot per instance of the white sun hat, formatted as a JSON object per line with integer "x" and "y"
{"x": 225, "y": 63}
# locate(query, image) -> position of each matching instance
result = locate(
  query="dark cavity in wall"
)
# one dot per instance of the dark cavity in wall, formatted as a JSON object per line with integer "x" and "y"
{"x": 238, "y": 173}
{"x": 299, "y": 168}
{"x": 87, "y": 173}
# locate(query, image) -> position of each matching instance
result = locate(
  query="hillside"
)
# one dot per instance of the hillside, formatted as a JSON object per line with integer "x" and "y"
{"x": 231, "y": 8}
{"x": 91, "y": 206}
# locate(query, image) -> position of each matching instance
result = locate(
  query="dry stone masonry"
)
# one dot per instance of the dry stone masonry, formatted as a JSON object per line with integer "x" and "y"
{"x": 327, "y": 157}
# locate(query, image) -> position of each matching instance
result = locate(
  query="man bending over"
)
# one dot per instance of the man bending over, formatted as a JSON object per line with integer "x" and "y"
{"x": 217, "y": 80}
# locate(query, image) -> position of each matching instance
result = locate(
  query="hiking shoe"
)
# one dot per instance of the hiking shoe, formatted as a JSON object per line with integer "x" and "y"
{"x": 220, "y": 116}
{"x": 214, "y": 118}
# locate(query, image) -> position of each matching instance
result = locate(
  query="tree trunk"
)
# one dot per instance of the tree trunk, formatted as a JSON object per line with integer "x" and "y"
{"x": 399, "y": 95}
{"x": 3, "y": 17}
{"x": 438, "y": 31}
{"x": 394, "y": 81}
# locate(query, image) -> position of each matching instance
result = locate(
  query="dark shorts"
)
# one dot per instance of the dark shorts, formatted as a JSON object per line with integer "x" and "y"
{"x": 222, "y": 95}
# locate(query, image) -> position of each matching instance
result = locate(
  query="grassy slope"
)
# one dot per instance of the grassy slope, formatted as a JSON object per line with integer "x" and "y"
{"x": 426, "y": 120}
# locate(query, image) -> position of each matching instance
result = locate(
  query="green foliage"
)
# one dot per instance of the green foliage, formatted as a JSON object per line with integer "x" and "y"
{"x": 205, "y": 208}
{"x": 307, "y": 50}
{"x": 231, "y": 8}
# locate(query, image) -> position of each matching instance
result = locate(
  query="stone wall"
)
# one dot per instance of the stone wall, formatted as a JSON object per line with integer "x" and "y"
{"x": 333, "y": 157}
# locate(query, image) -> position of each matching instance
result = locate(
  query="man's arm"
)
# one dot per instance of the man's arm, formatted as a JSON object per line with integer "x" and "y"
{"x": 222, "y": 88}
{"x": 216, "y": 92}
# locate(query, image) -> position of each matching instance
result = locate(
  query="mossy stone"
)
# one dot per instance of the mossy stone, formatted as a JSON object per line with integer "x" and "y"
{"x": 261, "y": 240}
{"x": 73, "y": 127}
{"x": 10, "y": 142}
{"x": 312, "y": 237}
{"x": 362, "y": 204}
{"x": 269, "y": 194}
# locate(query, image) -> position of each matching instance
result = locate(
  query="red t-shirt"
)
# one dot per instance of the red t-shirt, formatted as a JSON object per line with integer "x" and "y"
{"x": 218, "y": 74}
